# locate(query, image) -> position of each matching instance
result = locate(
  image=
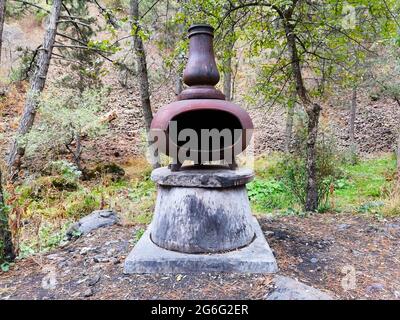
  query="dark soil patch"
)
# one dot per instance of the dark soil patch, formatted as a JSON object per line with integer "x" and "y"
{"x": 326, "y": 250}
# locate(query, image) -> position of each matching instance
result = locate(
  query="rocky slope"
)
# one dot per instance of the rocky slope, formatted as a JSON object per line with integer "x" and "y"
{"x": 376, "y": 121}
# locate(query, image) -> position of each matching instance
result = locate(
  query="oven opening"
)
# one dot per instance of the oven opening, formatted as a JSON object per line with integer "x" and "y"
{"x": 214, "y": 130}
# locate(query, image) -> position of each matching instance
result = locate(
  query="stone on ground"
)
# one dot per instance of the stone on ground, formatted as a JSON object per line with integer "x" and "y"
{"x": 97, "y": 219}
{"x": 290, "y": 289}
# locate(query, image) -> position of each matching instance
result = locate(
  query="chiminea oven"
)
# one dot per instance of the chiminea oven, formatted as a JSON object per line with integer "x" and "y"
{"x": 201, "y": 125}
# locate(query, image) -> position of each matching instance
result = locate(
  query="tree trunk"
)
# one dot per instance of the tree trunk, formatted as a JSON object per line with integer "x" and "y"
{"x": 313, "y": 111}
{"x": 37, "y": 84}
{"x": 143, "y": 79}
{"x": 228, "y": 79}
{"x": 2, "y": 18}
{"x": 353, "y": 147}
{"x": 397, "y": 188}
{"x": 181, "y": 56}
{"x": 289, "y": 123}
{"x": 228, "y": 66}
{"x": 178, "y": 83}
{"x": 311, "y": 164}
{"x": 1, "y": 190}
{"x": 6, "y": 245}
{"x": 398, "y": 161}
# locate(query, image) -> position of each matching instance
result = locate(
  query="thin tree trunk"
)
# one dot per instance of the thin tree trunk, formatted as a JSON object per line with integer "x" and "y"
{"x": 228, "y": 79}
{"x": 179, "y": 73}
{"x": 6, "y": 245}
{"x": 1, "y": 190}
{"x": 397, "y": 188}
{"x": 312, "y": 183}
{"x": 313, "y": 111}
{"x": 143, "y": 79}
{"x": 353, "y": 147}
{"x": 228, "y": 66}
{"x": 2, "y": 18}
{"x": 178, "y": 83}
{"x": 37, "y": 84}
{"x": 398, "y": 161}
{"x": 289, "y": 123}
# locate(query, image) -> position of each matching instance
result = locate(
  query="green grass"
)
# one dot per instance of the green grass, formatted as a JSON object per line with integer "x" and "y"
{"x": 362, "y": 188}
{"x": 50, "y": 209}
{"x": 367, "y": 181}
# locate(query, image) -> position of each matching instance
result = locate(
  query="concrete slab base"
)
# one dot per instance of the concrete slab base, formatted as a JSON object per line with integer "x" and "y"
{"x": 147, "y": 257}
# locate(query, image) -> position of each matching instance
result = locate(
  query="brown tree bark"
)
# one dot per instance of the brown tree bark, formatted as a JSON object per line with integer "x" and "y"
{"x": 228, "y": 79}
{"x": 2, "y": 18}
{"x": 398, "y": 161}
{"x": 37, "y": 83}
{"x": 289, "y": 123}
{"x": 143, "y": 79}
{"x": 6, "y": 245}
{"x": 313, "y": 111}
{"x": 1, "y": 190}
{"x": 227, "y": 65}
{"x": 353, "y": 109}
{"x": 397, "y": 187}
{"x": 179, "y": 73}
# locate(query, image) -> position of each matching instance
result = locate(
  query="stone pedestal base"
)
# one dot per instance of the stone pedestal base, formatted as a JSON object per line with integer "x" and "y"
{"x": 202, "y": 223}
{"x": 147, "y": 257}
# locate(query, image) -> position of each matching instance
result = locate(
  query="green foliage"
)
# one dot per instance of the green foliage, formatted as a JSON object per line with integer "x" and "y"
{"x": 371, "y": 207}
{"x": 294, "y": 171}
{"x": 64, "y": 116}
{"x": 81, "y": 203}
{"x": 84, "y": 55}
{"x": 117, "y": 5}
{"x": 384, "y": 73}
{"x": 368, "y": 181}
{"x": 67, "y": 170}
{"x": 107, "y": 169}
{"x": 49, "y": 237}
{"x": 5, "y": 266}
{"x": 361, "y": 188}
{"x": 138, "y": 234}
{"x": 23, "y": 70}
{"x": 269, "y": 195}
{"x": 50, "y": 208}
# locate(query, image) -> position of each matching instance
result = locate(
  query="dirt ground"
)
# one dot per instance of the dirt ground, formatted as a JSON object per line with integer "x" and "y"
{"x": 348, "y": 256}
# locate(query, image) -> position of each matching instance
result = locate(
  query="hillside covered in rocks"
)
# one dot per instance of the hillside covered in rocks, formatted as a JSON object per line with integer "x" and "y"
{"x": 375, "y": 122}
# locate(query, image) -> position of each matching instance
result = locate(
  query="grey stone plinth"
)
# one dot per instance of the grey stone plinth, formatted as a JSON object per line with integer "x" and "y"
{"x": 207, "y": 177}
{"x": 147, "y": 257}
{"x": 203, "y": 210}
{"x": 202, "y": 220}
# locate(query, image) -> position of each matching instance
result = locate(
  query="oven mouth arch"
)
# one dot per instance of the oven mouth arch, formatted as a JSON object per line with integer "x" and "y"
{"x": 210, "y": 124}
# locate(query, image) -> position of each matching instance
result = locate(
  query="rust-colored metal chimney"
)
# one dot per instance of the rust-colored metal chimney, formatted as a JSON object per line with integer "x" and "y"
{"x": 201, "y": 72}
{"x": 201, "y": 107}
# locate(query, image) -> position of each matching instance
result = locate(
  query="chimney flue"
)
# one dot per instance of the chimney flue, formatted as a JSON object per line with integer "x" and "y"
{"x": 201, "y": 72}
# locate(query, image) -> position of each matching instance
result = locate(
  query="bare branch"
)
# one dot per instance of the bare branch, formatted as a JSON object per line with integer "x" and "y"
{"x": 80, "y": 47}
{"x": 106, "y": 13}
{"x": 391, "y": 13}
{"x": 74, "y": 21}
{"x": 32, "y": 5}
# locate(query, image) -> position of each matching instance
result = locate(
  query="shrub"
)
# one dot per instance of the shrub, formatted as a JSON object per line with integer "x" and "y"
{"x": 23, "y": 70}
{"x": 82, "y": 203}
{"x": 67, "y": 170}
{"x": 109, "y": 169}
{"x": 294, "y": 173}
{"x": 66, "y": 117}
{"x": 392, "y": 205}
